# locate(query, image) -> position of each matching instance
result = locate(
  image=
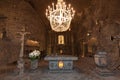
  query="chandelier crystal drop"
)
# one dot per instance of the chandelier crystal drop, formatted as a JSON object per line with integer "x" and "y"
{"x": 60, "y": 16}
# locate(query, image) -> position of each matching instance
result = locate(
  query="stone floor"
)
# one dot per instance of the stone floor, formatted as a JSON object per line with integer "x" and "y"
{"x": 84, "y": 69}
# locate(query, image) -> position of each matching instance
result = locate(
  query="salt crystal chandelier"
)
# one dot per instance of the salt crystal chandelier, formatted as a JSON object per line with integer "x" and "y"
{"x": 60, "y": 16}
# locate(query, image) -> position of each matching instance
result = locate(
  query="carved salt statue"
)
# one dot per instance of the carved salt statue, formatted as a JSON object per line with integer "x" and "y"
{"x": 21, "y": 61}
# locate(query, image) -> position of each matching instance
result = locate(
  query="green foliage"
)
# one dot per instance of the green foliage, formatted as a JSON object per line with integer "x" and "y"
{"x": 34, "y": 58}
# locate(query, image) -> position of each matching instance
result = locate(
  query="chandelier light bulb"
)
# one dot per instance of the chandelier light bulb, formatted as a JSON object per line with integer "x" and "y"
{"x": 60, "y": 16}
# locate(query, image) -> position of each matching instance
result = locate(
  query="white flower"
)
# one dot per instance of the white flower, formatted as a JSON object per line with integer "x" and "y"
{"x": 35, "y": 54}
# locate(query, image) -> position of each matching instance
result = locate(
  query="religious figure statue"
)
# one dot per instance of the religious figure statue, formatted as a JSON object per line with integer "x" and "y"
{"x": 21, "y": 61}
{"x": 4, "y": 34}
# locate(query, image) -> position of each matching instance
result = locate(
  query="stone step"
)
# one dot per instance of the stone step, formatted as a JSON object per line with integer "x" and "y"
{"x": 104, "y": 72}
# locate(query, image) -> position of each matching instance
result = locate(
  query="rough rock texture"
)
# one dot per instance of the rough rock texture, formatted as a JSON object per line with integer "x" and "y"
{"x": 19, "y": 14}
{"x": 108, "y": 15}
{"x": 102, "y": 20}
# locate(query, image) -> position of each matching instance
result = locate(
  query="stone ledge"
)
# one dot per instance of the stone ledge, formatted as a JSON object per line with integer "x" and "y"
{"x": 61, "y": 57}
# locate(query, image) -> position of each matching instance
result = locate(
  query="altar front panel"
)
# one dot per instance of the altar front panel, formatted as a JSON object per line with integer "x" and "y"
{"x": 61, "y": 63}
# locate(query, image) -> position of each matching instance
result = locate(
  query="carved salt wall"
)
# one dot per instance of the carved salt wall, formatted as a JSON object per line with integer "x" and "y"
{"x": 108, "y": 15}
{"x": 19, "y": 14}
{"x": 102, "y": 20}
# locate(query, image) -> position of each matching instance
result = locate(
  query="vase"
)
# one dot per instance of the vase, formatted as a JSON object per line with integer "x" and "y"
{"x": 34, "y": 64}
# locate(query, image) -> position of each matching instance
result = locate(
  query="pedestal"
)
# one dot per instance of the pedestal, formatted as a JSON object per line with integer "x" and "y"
{"x": 101, "y": 62}
{"x": 101, "y": 59}
{"x": 20, "y": 66}
{"x": 104, "y": 71}
{"x": 34, "y": 64}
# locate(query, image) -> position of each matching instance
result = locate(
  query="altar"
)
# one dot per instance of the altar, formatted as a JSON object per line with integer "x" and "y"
{"x": 61, "y": 63}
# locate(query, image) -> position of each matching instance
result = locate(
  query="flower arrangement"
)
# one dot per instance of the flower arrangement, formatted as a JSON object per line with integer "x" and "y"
{"x": 34, "y": 55}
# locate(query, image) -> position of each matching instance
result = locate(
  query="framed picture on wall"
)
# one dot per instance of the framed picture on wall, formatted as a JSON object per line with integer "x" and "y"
{"x": 60, "y": 39}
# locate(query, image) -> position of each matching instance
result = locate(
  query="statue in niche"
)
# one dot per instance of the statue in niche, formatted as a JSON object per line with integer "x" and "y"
{"x": 4, "y": 34}
{"x": 60, "y": 39}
